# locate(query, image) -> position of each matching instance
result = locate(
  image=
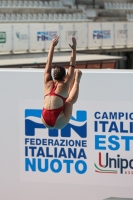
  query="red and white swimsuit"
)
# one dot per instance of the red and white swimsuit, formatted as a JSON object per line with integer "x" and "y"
{"x": 50, "y": 116}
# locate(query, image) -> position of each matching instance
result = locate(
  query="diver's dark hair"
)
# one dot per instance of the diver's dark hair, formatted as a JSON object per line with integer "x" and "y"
{"x": 59, "y": 73}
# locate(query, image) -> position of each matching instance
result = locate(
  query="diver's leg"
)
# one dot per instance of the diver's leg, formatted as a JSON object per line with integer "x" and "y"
{"x": 73, "y": 95}
{"x": 72, "y": 83}
{"x": 64, "y": 118}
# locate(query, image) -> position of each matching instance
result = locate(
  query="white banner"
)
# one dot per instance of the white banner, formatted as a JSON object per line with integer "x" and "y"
{"x": 67, "y": 31}
{"x": 111, "y": 129}
{"x": 66, "y": 155}
{"x": 5, "y": 38}
{"x": 51, "y": 30}
{"x": 95, "y": 146}
{"x": 95, "y": 35}
{"x": 108, "y": 35}
{"x": 20, "y": 37}
{"x": 120, "y": 34}
{"x": 37, "y": 37}
{"x": 130, "y": 34}
{"x": 81, "y": 35}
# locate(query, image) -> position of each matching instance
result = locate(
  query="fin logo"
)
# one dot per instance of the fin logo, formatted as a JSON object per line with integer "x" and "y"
{"x": 78, "y": 124}
{"x": 101, "y": 34}
{"x": 46, "y": 35}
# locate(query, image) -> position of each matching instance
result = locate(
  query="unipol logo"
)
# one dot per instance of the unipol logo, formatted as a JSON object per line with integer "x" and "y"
{"x": 78, "y": 124}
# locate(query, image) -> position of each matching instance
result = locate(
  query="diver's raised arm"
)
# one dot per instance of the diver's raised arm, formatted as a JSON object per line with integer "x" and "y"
{"x": 48, "y": 67}
{"x": 72, "y": 60}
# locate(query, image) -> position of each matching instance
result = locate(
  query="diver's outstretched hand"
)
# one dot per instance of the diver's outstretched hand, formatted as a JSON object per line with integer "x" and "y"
{"x": 74, "y": 43}
{"x": 55, "y": 40}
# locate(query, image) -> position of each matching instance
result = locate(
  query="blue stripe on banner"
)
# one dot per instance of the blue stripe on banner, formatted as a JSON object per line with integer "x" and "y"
{"x": 33, "y": 112}
{"x": 81, "y": 116}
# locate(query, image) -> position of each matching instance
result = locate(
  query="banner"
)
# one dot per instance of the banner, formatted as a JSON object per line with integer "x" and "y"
{"x": 111, "y": 128}
{"x": 37, "y": 37}
{"x": 51, "y": 30}
{"x": 20, "y": 37}
{"x": 5, "y": 38}
{"x": 81, "y": 35}
{"x": 95, "y": 35}
{"x": 121, "y": 32}
{"x": 130, "y": 34}
{"x": 63, "y": 152}
{"x": 95, "y": 146}
{"x": 67, "y": 31}
{"x": 108, "y": 35}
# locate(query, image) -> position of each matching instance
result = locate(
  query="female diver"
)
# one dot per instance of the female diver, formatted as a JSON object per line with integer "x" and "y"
{"x": 61, "y": 93}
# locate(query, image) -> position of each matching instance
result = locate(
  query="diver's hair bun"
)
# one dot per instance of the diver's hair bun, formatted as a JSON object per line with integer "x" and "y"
{"x": 59, "y": 73}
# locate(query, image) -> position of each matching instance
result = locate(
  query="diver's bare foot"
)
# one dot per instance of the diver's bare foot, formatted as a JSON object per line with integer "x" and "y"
{"x": 78, "y": 75}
